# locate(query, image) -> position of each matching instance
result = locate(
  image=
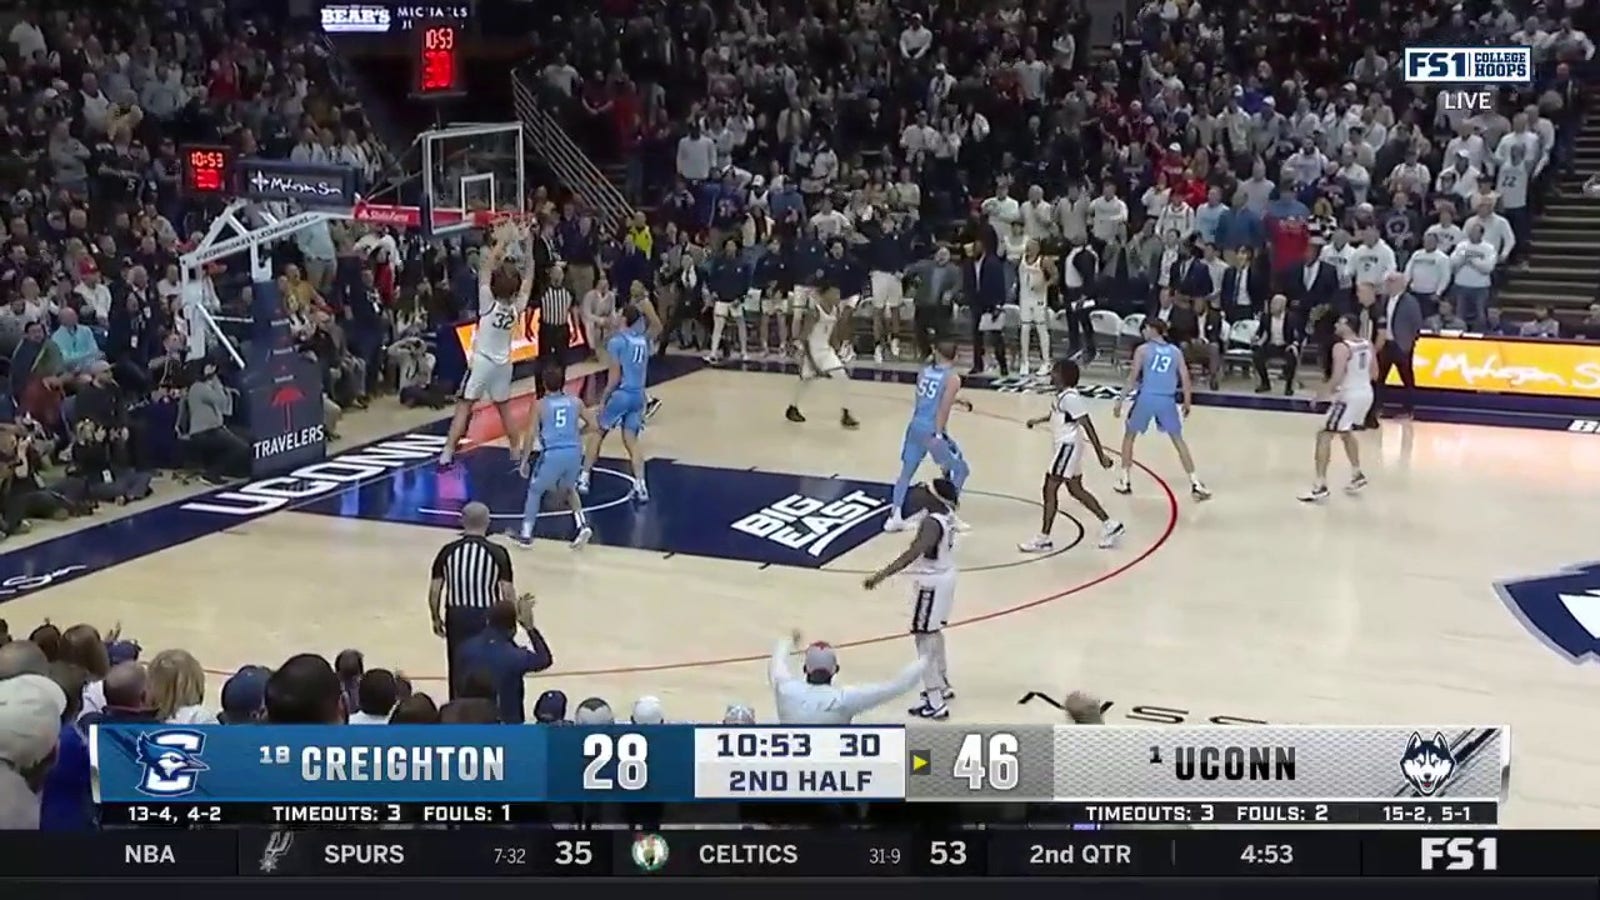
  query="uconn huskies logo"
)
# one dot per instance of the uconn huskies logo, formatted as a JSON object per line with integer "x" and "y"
{"x": 171, "y": 761}
{"x": 1427, "y": 764}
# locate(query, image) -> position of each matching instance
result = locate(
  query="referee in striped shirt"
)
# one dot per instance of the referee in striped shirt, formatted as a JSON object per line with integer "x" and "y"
{"x": 469, "y": 574}
{"x": 555, "y": 333}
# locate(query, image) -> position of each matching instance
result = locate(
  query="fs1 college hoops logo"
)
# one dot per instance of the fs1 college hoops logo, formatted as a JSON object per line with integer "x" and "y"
{"x": 171, "y": 761}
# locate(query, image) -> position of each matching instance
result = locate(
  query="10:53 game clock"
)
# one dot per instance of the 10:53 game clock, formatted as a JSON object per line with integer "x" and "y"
{"x": 438, "y": 60}
{"x": 205, "y": 170}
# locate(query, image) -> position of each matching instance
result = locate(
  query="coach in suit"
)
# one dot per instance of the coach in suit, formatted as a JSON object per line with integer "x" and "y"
{"x": 1398, "y": 327}
{"x": 1279, "y": 335}
{"x": 1245, "y": 286}
{"x": 986, "y": 296}
{"x": 1313, "y": 288}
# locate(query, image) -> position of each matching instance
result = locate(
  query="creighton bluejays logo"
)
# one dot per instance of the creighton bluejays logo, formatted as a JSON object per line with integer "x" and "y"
{"x": 1562, "y": 609}
{"x": 171, "y": 761}
{"x": 1427, "y": 764}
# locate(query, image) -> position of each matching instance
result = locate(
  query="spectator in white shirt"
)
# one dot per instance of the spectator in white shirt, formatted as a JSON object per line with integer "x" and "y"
{"x": 1459, "y": 179}
{"x": 27, "y": 37}
{"x": 94, "y": 293}
{"x": 916, "y": 39}
{"x": 1411, "y": 176}
{"x": 1108, "y": 215}
{"x": 814, "y": 699}
{"x": 1038, "y": 218}
{"x": 1372, "y": 262}
{"x": 1446, "y": 231}
{"x": 1469, "y": 140}
{"x": 1177, "y": 216}
{"x": 918, "y": 139}
{"x": 1496, "y": 230}
{"x": 1428, "y": 273}
{"x": 1473, "y": 261}
{"x": 1337, "y": 253}
{"x": 1002, "y": 210}
{"x": 696, "y": 155}
{"x": 828, "y": 222}
{"x": 1518, "y": 135}
{"x": 1354, "y": 176}
{"x": 1542, "y": 325}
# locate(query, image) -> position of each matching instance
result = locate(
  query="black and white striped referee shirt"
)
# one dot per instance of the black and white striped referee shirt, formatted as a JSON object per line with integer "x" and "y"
{"x": 472, "y": 569}
{"x": 554, "y": 305}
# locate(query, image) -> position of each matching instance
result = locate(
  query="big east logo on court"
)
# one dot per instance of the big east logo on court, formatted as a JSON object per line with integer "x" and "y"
{"x": 809, "y": 523}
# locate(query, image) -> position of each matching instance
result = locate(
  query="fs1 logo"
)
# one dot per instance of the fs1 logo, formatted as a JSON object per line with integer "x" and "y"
{"x": 171, "y": 761}
{"x": 1460, "y": 854}
{"x": 1562, "y": 609}
{"x": 810, "y": 524}
{"x": 1427, "y": 764}
{"x": 1469, "y": 65}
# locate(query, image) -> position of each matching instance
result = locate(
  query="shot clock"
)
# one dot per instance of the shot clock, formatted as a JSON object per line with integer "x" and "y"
{"x": 438, "y": 60}
{"x": 206, "y": 170}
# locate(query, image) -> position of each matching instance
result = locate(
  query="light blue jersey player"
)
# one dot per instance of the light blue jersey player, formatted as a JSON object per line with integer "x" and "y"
{"x": 1156, "y": 379}
{"x": 624, "y": 401}
{"x": 560, "y": 420}
{"x": 937, "y": 386}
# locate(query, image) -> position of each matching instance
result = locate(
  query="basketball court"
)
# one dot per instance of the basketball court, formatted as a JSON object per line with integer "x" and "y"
{"x": 1382, "y": 609}
{"x": 1377, "y": 609}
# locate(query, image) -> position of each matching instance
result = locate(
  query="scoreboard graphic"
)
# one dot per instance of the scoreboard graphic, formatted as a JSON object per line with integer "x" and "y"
{"x": 284, "y": 775}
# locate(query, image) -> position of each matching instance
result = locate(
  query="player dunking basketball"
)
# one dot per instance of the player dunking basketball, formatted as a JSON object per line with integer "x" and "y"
{"x": 501, "y": 300}
{"x": 1355, "y": 368}
{"x": 823, "y": 328}
{"x": 624, "y": 401}
{"x": 926, "y": 433}
{"x": 931, "y": 563}
{"x": 559, "y": 422}
{"x": 1158, "y": 372}
{"x": 1074, "y": 435}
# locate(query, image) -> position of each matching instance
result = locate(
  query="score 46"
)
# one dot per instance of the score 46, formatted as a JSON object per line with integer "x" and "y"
{"x": 616, "y": 762}
{"x": 989, "y": 760}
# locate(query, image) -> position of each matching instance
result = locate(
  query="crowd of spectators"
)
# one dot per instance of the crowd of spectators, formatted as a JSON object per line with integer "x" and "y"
{"x": 100, "y": 387}
{"x": 1249, "y": 138}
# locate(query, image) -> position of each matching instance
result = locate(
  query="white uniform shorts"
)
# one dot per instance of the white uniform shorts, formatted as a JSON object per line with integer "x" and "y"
{"x": 1034, "y": 308}
{"x": 774, "y": 303}
{"x": 887, "y": 291}
{"x": 803, "y": 298}
{"x": 487, "y": 380}
{"x": 1067, "y": 460}
{"x": 725, "y": 309}
{"x": 933, "y": 598}
{"x": 1346, "y": 412}
{"x": 821, "y": 362}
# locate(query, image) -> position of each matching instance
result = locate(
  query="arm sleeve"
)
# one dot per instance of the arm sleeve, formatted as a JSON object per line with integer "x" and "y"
{"x": 858, "y": 699}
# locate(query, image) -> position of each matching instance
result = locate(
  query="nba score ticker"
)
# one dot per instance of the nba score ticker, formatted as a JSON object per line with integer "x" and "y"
{"x": 1284, "y": 775}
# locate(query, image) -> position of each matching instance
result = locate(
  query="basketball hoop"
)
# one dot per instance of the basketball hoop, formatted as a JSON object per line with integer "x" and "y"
{"x": 398, "y": 216}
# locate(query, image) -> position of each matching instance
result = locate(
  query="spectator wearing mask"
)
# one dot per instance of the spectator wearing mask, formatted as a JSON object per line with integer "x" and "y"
{"x": 244, "y": 696}
{"x": 31, "y": 711}
{"x": 376, "y": 697}
{"x": 495, "y": 651}
{"x": 814, "y": 699}
{"x": 1472, "y": 269}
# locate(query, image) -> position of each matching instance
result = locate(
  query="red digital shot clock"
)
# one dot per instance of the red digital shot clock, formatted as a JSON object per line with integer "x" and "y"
{"x": 205, "y": 169}
{"x": 438, "y": 65}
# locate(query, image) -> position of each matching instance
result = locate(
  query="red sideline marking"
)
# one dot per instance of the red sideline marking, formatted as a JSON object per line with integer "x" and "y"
{"x": 1157, "y": 544}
